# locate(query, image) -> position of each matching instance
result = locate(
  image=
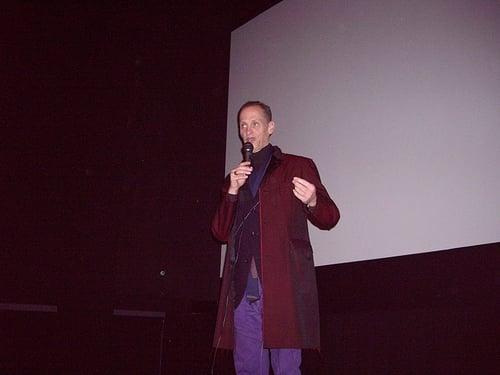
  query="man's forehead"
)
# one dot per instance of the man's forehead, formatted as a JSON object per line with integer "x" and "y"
{"x": 252, "y": 112}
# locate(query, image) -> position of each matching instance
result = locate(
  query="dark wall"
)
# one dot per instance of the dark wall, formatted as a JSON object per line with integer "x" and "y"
{"x": 430, "y": 313}
{"x": 114, "y": 153}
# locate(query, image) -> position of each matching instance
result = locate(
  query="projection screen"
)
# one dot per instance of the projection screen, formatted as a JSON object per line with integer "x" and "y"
{"x": 397, "y": 102}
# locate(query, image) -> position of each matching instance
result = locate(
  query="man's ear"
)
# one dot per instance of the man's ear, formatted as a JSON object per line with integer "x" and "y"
{"x": 270, "y": 127}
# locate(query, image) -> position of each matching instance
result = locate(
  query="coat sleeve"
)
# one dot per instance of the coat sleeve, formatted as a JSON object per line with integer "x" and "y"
{"x": 224, "y": 215}
{"x": 325, "y": 215}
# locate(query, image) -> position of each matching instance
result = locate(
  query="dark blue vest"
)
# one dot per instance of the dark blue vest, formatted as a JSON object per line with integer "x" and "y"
{"x": 247, "y": 226}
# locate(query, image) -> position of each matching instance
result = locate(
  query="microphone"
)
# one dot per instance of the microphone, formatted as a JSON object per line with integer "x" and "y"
{"x": 247, "y": 151}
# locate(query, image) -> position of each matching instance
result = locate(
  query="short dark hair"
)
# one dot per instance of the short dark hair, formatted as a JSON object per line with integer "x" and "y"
{"x": 264, "y": 107}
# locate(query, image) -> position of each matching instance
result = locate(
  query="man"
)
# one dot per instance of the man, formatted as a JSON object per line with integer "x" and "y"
{"x": 268, "y": 302}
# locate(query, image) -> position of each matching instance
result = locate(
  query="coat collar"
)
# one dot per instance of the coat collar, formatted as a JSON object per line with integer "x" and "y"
{"x": 277, "y": 154}
{"x": 276, "y": 160}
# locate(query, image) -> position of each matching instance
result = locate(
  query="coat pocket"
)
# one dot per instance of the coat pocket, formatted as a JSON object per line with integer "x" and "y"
{"x": 301, "y": 247}
{"x": 302, "y": 268}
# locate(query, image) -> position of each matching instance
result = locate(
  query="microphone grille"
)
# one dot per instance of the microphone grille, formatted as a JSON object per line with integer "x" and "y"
{"x": 248, "y": 147}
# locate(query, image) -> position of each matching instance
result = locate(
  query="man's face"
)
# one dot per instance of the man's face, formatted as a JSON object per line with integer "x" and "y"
{"x": 255, "y": 128}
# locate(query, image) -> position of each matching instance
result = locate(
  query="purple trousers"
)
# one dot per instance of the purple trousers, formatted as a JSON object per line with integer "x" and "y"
{"x": 250, "y": 357}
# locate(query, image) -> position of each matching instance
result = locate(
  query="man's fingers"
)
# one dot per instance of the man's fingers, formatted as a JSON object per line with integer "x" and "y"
{"x": 239, "y": 177}
{"x": 301, "y": 182}
{"x": 303, "y": 190}
{"x": 300, "y": 189}
{"x": 298, "y": 195}
{"x": 302, "y": 185}
{"x": 241, "y": 171}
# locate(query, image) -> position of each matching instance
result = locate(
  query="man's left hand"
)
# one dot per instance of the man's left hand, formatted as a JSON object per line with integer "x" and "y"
{"x": 304, "y": 191}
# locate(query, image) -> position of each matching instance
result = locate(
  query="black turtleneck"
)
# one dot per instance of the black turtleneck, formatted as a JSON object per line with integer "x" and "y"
{"x": 261, "y": 156}
{"x": 259, "y": 160}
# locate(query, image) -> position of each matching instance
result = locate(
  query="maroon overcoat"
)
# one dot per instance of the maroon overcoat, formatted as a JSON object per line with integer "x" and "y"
{"x": 290, "y": 314}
